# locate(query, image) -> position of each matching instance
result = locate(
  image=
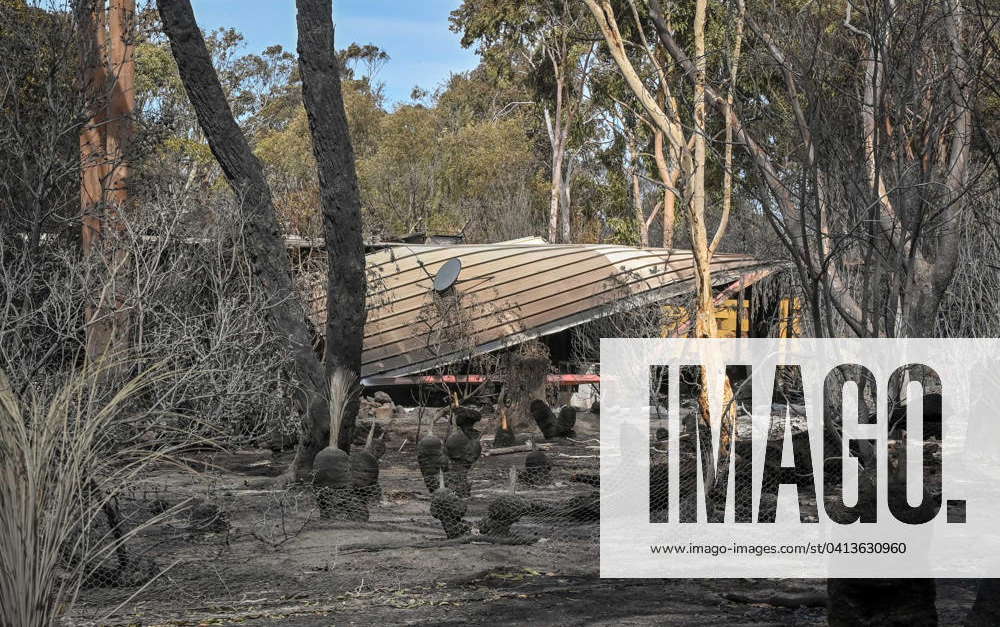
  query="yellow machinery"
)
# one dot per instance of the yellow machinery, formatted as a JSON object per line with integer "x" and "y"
{"x": 734, "y": 320}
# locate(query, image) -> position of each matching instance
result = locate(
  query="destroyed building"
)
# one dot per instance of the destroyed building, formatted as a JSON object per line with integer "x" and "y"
{"x": 432, "y": 309}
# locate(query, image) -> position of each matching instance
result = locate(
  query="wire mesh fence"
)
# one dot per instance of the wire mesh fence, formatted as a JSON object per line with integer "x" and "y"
{"x": 434, "y": 497}
{"x": 232, "y": 534}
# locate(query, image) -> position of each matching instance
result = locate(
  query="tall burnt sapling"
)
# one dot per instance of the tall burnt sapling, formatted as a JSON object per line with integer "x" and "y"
{"x": 333, "y": 483}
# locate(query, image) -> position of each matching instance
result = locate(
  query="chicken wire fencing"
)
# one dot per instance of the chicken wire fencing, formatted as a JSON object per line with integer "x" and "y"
{"x": 225, "y": 533}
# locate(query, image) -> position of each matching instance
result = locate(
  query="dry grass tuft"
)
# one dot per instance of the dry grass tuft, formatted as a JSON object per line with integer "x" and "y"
{"x": 63, "y": 461}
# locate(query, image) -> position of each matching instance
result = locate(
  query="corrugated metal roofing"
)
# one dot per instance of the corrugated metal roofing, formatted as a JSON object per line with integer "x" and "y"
{"x": 508, "y": 293}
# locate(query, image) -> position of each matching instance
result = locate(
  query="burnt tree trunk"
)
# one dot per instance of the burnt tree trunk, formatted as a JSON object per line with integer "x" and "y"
{"x": 345, "y": 251}
{"x": 882, "y": 602}
{"x": 263, "y": 239}
{"x": 986, "y": 609}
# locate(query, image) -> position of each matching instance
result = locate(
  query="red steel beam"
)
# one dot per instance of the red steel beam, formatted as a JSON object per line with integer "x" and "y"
{"x": 557, "y": 379}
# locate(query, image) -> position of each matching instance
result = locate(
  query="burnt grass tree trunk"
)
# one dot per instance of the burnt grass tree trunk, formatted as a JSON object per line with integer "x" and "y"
{"x": 431, "y": 460}
{"x": 341, "y": 205}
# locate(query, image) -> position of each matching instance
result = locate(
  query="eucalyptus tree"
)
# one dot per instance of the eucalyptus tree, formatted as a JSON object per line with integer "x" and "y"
{"x": 856, "y": 142}
{"x": 627, "y": 145}
{"x": 688, "y": 144}
{"x": 541, "y": 38}
{"x": 864, "y": 175}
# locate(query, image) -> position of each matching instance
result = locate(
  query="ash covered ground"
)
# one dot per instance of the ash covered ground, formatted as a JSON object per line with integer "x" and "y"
{"x": 247, "y": 550}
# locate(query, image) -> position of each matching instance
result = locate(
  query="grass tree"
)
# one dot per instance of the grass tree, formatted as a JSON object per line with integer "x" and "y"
{"x": 333, "y": 481}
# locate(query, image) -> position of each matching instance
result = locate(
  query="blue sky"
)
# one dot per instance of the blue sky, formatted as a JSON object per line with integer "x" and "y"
{"x": 415, "y": 34}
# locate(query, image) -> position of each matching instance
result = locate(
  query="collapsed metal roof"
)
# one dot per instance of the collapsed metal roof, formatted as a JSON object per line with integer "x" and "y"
{"x": 508, "y": 293}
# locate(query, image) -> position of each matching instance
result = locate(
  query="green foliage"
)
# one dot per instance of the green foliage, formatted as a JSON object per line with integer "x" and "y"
{"x": 427, "y": 167}
{"x": 263, "y": 91}
{"x": 478, "y": 153}
{"x": 399, "y": 182}
{"x": 494, "y": 23}
{"x": 533, "y": 41}
{"x": 290, "y": 169}
{"x": 473, "y": 153}
{"x": 623, "y": 231}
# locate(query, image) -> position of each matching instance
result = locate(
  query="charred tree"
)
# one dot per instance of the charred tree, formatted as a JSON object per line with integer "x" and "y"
{"x": 345, "y": 251}
{"x": 263, "y": 239}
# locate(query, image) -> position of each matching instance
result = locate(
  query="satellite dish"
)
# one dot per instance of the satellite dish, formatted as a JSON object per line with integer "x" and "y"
{"x": 447, "y": 275}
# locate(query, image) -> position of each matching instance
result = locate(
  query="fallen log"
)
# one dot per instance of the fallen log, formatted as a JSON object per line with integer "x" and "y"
{"x": 520, "y": 448}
